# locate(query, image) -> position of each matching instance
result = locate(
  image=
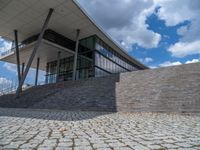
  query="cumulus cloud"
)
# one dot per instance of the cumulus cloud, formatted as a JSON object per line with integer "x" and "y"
{"x": 192, "y": 61}
{"x": 182, "y": 49}
{"x": 146, "y": 60}
{"x": 10, "y": 67}
{"x": 4, "y": 45}
{"x": 175, "y": 63}
{"x": 168, "y": 63}
{"x": 124, "y": 20}
{"x": 153, "y": 67}
{"x": 174, "y": 12}
{"x": 31, "y": 73}
{"x": 4, "y": 83}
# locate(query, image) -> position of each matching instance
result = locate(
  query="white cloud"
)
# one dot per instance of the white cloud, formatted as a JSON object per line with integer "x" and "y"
{"x": 31, "y": 74}
{"x": 175, "y": 63}
{"x": 124, "y": 20}
{"x": 146, "y": 60}
{"x": 153, "y": 67}
{"x": 174, "y": 12}
{"x": 182, "y": 49}
{"x": 4, "y": 83}
{"x": 168, "y": 63}
{"x": 4, "y": 45}
{"x": 10, "y": 67}
{"x": 192, "y": 61}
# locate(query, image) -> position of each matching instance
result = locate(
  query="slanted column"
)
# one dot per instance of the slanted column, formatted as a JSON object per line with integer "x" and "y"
{"x": 76, "y": 54}
{"x": 58, "y": 66}
{"x": 37, "y": 71}
{"x": 17, "y": 55}
{"x": 37, "y": 45}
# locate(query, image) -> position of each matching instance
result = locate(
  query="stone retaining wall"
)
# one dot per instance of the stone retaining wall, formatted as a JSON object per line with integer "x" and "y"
{"x": 175, "y": 89}
{"x": 171, "y": 89}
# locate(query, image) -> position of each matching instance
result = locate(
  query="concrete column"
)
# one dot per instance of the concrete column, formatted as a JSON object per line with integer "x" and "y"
{"x": 76, "y": 54}
{"x": 37, "y": 45}
{"x": 58, "y": 66}
{"x": 37, "y": 71}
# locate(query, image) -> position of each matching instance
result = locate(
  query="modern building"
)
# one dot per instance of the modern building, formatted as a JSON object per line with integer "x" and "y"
{"x": 58, "y": 36}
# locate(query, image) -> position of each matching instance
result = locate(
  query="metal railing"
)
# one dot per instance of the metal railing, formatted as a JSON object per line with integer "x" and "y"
{"x": 8, "y": 90}
{"x": 7, "y": 86}
{"x": 10, "y": 86}
{"x": 9, "y": 51}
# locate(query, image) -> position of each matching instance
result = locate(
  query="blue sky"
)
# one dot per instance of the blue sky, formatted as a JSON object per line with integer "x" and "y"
{"x": 158, "y": 33}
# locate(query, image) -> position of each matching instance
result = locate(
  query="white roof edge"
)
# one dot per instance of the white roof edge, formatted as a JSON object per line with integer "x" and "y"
{"x": 108, "y": 36}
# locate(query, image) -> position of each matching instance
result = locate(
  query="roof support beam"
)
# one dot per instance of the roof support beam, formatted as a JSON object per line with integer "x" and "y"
{"x": 17, "y": 54}
{"x": 45, "y": 25}
{"x": 76, "y": 54}
{"x": 37, "y": 71}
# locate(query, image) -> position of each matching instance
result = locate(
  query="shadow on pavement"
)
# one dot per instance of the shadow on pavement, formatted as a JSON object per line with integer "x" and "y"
{"x": 57, "y": 115}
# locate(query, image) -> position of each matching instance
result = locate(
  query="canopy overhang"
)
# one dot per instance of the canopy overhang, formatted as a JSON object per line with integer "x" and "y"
{"x": 27, "y": 16}
{"x": 47, "y": 52}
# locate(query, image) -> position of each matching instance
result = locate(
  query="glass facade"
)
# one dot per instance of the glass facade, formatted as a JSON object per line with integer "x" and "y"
{"x": 84, "y": 69}
{"x": 95, "y": 59}
{"x": 108, "y": 61}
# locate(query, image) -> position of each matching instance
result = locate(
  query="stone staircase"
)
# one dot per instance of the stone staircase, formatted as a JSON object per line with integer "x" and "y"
{"x": 95, "y": 94}
{"x": 171, "y": 89}
{"x": 28, "y": 97}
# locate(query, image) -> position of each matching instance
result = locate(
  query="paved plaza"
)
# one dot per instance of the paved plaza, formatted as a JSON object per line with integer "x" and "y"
{"x": 68, "y": 130}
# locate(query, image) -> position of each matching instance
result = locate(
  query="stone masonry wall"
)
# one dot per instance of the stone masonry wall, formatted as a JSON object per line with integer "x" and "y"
{"x": 171, "y": 89}
{"x": 175, "y": 89}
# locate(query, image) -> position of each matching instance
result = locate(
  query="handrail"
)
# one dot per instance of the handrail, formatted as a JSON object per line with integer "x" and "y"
{"x": 8, "y": 90}
{"x": 9, "y": 51}
{"x": 8, "y": 87}
{"x": 12, "y": 89}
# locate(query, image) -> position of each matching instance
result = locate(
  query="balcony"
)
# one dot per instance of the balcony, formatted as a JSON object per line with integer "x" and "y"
{"x": 8, "y": 52}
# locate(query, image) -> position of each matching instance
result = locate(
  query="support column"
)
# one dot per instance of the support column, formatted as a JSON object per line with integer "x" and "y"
{"x": 37, "y": 70}
{"x": 34, "y": 51}
{"x": 17, "y": 55}
{"x": 58, "y": 66}
{"x": 22, "y": 73}
{"x": 76, "y": 54}
{"x": 47, "y": 74}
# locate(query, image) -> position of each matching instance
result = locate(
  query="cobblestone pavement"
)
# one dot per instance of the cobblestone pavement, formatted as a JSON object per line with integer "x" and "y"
{"x": 63, "y": 130}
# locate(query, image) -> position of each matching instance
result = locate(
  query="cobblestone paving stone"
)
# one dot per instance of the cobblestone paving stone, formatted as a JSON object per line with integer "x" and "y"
{"x": 67, "y": 130}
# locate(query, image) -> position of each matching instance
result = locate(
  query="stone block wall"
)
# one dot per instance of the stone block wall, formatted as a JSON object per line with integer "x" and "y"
{"x": 171, "y": 89}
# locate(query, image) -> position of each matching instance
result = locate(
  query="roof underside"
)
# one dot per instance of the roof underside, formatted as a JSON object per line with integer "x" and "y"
{"x": 27, "y": 16}
{"x": 47, "y": 52}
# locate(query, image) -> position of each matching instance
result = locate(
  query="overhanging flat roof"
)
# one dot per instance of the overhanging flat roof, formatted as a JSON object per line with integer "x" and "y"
{"x": 47, "y": 52}
{"x": 27, "y": 16}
